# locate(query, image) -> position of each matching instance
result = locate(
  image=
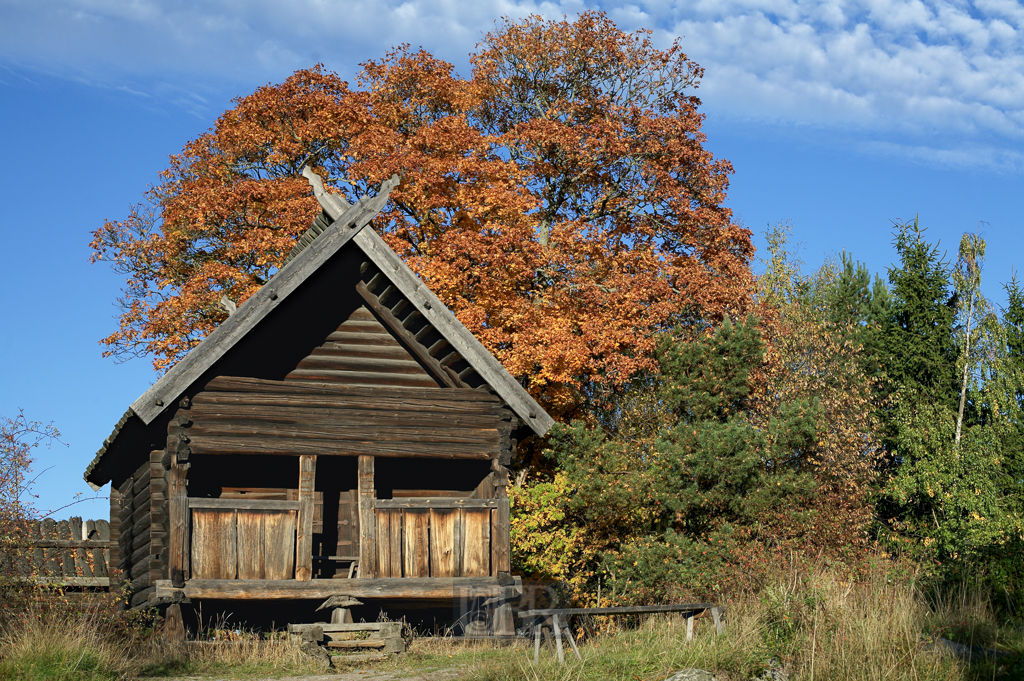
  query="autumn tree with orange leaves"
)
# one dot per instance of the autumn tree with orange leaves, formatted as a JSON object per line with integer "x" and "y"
{"x": 559, "y": 201}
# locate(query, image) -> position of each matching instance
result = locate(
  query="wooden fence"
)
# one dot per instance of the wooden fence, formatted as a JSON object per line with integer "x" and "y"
{"x": 69, "y": 552}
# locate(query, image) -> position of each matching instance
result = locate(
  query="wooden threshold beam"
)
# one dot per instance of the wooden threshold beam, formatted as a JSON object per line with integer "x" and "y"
{"x": 317, "y": 589}
{"x": 445, "y": 502}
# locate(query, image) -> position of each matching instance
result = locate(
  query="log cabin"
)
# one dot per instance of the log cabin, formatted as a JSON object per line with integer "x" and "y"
{"x": 340, "y": 434}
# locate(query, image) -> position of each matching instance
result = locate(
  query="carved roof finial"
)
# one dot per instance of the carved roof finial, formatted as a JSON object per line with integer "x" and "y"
{"x": 333, "y": 204}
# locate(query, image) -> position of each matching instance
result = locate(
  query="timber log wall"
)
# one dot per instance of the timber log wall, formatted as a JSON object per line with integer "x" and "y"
{"x": 138, "y": 512}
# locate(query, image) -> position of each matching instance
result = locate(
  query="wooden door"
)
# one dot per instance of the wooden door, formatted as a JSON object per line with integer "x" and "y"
{"x": 214, "y": 544}
{"x": 348, "y": 524}
{"x": 266, "y": 544}
{"x": 435, "y": 538}
{"x": 445, "y": 536}
{"x": 416, "y": 546}
{"x": 242, "y": 543}
{"x": 476, "y": 542}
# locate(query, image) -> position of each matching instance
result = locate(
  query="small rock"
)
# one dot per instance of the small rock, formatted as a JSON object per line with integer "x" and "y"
{"x": 691, "y": 675}
{"x": 773, "y": 674}
{"x": 967, "y": 652}
{"x": 319, "y": 655}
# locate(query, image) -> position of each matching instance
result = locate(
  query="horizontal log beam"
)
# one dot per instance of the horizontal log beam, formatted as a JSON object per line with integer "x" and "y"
{"x": 360, "y": 378}
{"x": 241, "y": 384}
{"x": 395, "y": 351}
{"x": 288, "y": 589}
{"x": 244, "y": 504}
{"x": 333, "y": 419}
{"x": 445, "y": 502}
{"x": 215, "y": 401}
{"x": 329, "y": 358}
{"x": 364, "y": 335}
{"x": 207, "y": 445}
{"x": 480, "y": 437}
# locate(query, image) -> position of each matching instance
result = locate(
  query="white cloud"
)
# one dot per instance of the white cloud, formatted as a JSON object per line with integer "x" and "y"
{"x": 906, "y": 67}
{"x": 914, "y": 68}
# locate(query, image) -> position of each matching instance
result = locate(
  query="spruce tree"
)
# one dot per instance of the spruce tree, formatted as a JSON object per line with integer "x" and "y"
{"x": 1013, "y": 322}
{"x": 859, "y": 307}
{"x": 918, "y": 343}
{"x": 1013, "y": 375}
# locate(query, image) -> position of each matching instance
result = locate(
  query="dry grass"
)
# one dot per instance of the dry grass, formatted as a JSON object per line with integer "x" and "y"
{"x": 818, "y": 626}
{"x": 72, "y": 646}
{"x": 45, "y": 642}
{"x": 232, "y": 659}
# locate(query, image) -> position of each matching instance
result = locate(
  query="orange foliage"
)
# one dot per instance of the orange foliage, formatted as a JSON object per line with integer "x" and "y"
{"x": 559, "y": 201}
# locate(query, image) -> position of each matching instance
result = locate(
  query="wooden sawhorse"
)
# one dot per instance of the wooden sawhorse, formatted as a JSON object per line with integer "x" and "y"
{"x": 547, "y": 619}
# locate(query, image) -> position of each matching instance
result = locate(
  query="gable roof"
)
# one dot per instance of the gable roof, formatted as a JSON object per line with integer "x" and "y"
{"x": 339, "y": 224}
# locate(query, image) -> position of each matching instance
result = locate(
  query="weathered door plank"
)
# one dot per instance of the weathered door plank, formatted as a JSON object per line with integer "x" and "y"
{"x": 279, "y": 556}
{"x": 476, "y": 553}
{"x": 443, "y": 531}
{"x": 416, "y": 543}
{"x": 304, "y": 534}
{"x": 383, "y": 522}
{"x": 214, "y": 544}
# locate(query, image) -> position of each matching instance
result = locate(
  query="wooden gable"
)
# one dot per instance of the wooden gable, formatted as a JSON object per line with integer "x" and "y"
{"x": 362, "y": 352}
{"x": 344, "y": 310}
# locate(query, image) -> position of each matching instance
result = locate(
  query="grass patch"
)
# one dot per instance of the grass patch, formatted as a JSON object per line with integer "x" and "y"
{"x": 819, "y": 626}
{"x": 226, "y": 659}
{"x": 39, "y": 648}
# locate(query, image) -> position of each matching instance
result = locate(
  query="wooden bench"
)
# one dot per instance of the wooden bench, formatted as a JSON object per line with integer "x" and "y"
{"x": 548, "y": 619}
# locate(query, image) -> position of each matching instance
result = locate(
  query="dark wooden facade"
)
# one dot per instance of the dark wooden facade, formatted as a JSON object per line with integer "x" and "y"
{"x": 341, "y": 434}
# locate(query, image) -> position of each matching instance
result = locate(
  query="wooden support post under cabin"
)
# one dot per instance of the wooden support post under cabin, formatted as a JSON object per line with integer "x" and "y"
{"x": 367, "y": 521}
{"x": 174, "y": 626}
{"x": 304, "y": 527}
{"x": 177, "y": 507}
{"x": 341, "y": 616}
{"x": 339, "y": 607}
{"x": 503, "y": 623}
{"x": 716, "y": 614}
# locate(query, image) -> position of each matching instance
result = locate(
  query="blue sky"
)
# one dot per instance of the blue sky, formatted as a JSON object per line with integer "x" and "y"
{"x": 839, "y": 117}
